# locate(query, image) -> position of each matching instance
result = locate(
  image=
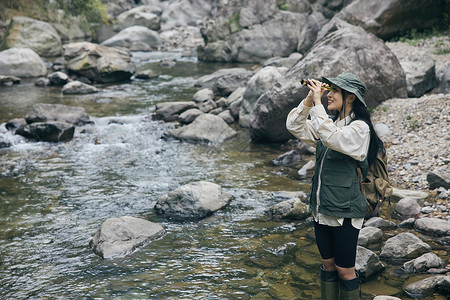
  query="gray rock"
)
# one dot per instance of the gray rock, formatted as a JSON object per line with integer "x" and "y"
{"x": 169, "y": 111}
{"x": 135, "y": 38}
{"x": 207, "y": 106}
{"x": 308, "y": 33}
{"x": 78, "y": 87}
{"x": 407, "y": 207}
{"x": 423, "y": 263}
{"x": 43, "y": 112}
{"x": 268, "y": 117}
{"x": 9, "y": 80}
{"x": 379, "y": 223}
{"x": 426, "y": 287}
{"x": 196, "y": 200}
{"x": 283, "y": 62}
{"x": 21, "y": 62}
{"x": 386, "y": 19}
{"x": 256, "y": 86}
{"x": 99, "y": 63}
{"x": 235, "y": 107}
{"x": 403, "y": 246}
{"x": 438, "y": 179}
{"x": 186, "y": 37}
{"x": 433, "y": 226}
{"x": 288, "y": 158}
{"x": 369, "y": 235}
{"x": 143, "y": 15}
{"x": 286, "y": 195}
{"x": 48, "y": 131}
{"x": 307, "y": 168}
{"x": 70, "y": 28}
{"x": 226, "y": 116}
{"x": 24, "y": 32}
{"x": 184, "y": 12}
{"x": 14, "y": 124}
{"x": 189, "y": 115}
{"x": 236, "y": 95}
{"x": 203, "y": 95}
{"x": 367, "y": 263}
{"x": 206, "y": 128}
{"x": 145, "y": 74}
{"x": 386, "y": 298}
{"x": 225, "y": 80}
{"x": 408, "y": 223}
{"x": 444, "y": 79}
{"x": 58, "y": 78}
{"x": 292, "y": 209}
{"x": 398, "y": 194}
{"x": 381, "y": 129}
{"x": 118, "y": 237}
{"x": 42, "y": 82}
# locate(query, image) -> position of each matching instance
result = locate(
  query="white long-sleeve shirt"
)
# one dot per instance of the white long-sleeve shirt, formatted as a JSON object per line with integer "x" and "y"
{"x": 352, "y": 140}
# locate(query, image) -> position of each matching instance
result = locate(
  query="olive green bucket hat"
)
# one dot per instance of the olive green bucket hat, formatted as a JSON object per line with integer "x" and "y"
{"x": 349, "y": 82}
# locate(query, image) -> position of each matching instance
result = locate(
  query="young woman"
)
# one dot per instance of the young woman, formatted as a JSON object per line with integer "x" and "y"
{"x": 336, "y": 201}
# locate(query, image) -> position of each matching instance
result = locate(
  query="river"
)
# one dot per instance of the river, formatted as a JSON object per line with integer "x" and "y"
{"x": 53, "y": 198}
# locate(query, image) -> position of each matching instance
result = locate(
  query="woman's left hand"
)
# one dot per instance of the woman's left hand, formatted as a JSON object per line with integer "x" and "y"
{"x": 316, "y": 87}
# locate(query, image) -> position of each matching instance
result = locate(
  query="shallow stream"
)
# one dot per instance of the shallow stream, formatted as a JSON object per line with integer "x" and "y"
{"x": 53, "y": 198}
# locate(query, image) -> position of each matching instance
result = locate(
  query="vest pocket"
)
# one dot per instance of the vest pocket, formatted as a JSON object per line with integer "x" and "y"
{"x": 337, "y": 190}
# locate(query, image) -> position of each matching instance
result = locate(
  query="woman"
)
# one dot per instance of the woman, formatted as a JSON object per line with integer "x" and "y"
{"x": 336, "y": 201}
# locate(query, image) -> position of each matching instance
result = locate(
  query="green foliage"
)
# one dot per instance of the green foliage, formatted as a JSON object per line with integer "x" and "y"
{"x": 282, "y": 5}
{"x": 235, "y": 22}
{"x": 93, "y": 10}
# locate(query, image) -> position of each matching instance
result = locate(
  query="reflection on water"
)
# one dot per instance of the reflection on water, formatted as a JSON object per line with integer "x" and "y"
{"x": 53, "y": 197}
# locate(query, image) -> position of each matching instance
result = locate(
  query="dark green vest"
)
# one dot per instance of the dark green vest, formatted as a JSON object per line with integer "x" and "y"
{"x": 340, "y": 194}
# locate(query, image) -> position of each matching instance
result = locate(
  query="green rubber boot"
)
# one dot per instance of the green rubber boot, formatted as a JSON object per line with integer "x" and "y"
{"x": 329, "y": 285}
{"x": 349, "y": 289}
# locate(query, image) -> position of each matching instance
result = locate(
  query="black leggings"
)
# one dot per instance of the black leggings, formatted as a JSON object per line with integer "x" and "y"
{"x": 337, "y": 242}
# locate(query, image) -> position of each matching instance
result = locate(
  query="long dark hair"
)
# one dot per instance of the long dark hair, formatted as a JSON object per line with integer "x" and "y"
{"x": 362, "y": 113}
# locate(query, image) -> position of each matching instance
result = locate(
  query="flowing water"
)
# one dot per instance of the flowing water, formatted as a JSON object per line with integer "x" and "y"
{"x": 53, "y": 198}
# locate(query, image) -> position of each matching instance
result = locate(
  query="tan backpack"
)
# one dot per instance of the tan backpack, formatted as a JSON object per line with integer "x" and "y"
{"x": 376, "y": 187}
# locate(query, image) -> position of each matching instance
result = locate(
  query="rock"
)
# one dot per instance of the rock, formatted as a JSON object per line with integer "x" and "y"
{"x": 283, "y": 62}
{"x": 438, "y": 179}
{"x": 203, "y": 95}
{"x": 226, "y": 116}
{"x": 235, "y": 107}
{"x": 145, "y": 74}
{"x": 206, "y": 128}
{"x": 382, "y": 129}
{"x": 184, "y": 12}
{"x": 259, "y": 83}
{"x": 308, "y": 34}
{"x": 189, "y": 115}
{"x": 48, "y": 131}
{"x": 77, "y": 87}
{"x": 426, "y": 287}
{"x": 419, "y": 69}
{"x": 444, "y": 78}
{"x": 369, "y": 235}
{"x": 118, "y": 237}
{"x": 99, "y": 63}
{"x": 385, "y": 298}
{"x": 398, "y": 194}
{"x": 268, "y": 117}
{"x": 288, "y": 158}
{"x": 135, "y": 38}
{"x": 379, "y": 223}
{"x": 423, "y": 263}
{"x": 407, "y": 207}
{"x": 404, "y": 246}
{"x": 24, "y": 32}
{"x": 386, "y": 19}
{"x": 21, "y": 62}
{"x": 433, "y": 226}
{"x": 169, "y": 111}
{"x": 57, "y": 112}
{"x": 287, "y": 195}
{"x": 69, "y": 28}
{"x": 367, "y": 263}
{"x": 223, "y": 82}
{"x": 42, "y": 82}
{"x": 207, "y": 106}
{"x": 408, "y": 223}
{"x": 196, "y": 200}
{"x": 307, "y": 168}
{"x": 9, "y": 80}
{"x": 58, "y": 78}
{"x": 186, "y": 37}
{"x": 143, "y": 15}
{"x": 15, "y": 124}
{"x": 292, "y": 209}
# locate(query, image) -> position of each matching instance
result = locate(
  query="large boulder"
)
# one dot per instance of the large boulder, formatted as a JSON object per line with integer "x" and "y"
{"x": 196, "y": 200}
{"x": 118, "y": 237}
{"x": 427, "y": 287}
{"x": 388, "y": 18}
{"x": 340, "y": 47}
{"x": 43, "y": 112}
{"x": 143, "y": 15}
{"x": 21, "y": 62}
{"x": 433, "y": 226}
{"x": 48, "y": 131}
{"x": 404, "y": 246}
{"x": 99, "y": 63}
{"x": 261, "y": 82}
{"x": 185, "y": 12}
{"x": 24, "y": 32}
{"x": 135, "y": 38}
{"x": 224, "y": 81}
{"x": 367, "y": 263}
{"x": 206, "y": 128}
{"x": 238, "y": 31}
{"x": 423, "y": 263}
